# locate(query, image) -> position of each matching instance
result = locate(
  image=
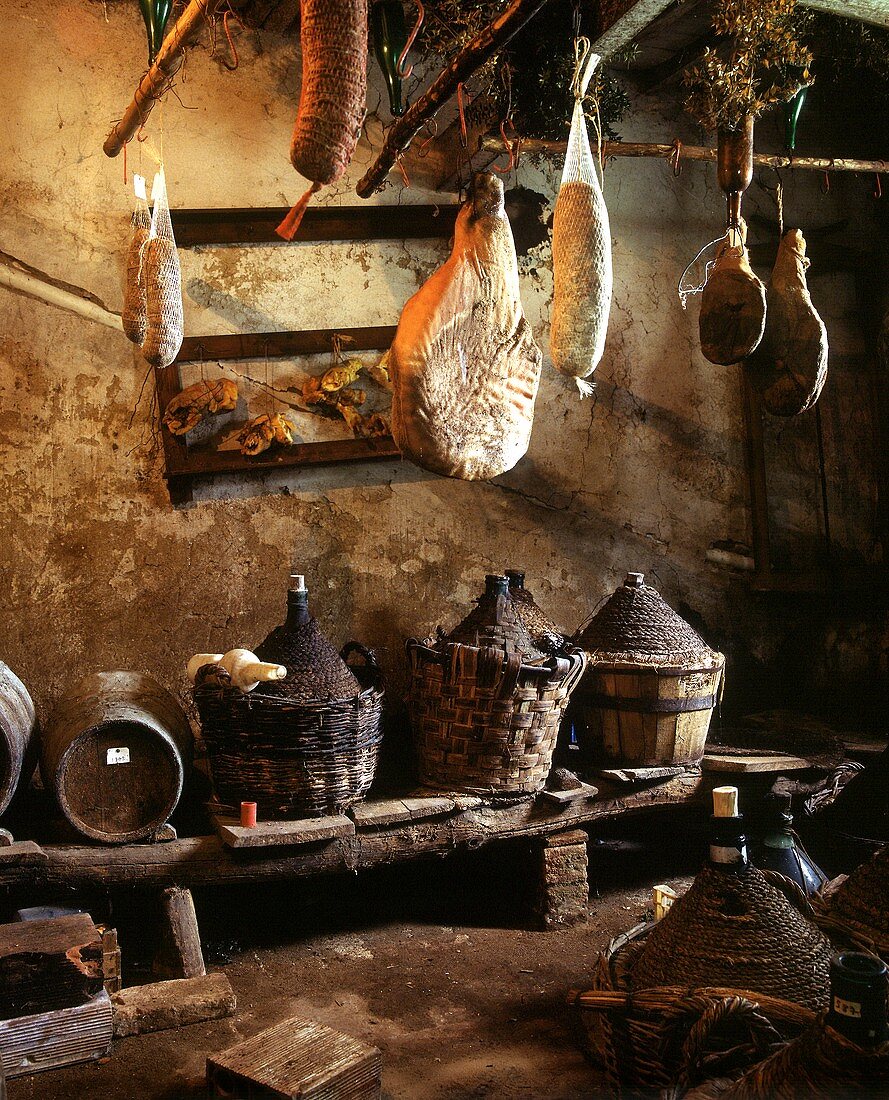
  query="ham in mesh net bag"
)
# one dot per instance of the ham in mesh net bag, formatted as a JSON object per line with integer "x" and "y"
{"x": 134, "y": 314}
{"x": 163, "y": 286}
{"x": 582, "y": 273}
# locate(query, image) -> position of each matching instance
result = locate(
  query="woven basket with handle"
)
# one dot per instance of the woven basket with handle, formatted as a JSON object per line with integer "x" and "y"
{"x": 293, "y": 757}
{"x": 485, "y": 721}
{"x": 675, "y": 1036}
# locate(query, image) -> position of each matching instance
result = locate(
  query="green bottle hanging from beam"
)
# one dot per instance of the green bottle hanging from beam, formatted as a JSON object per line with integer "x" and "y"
{"x": 390, "y": 38}
{"x": 155, "y": 13}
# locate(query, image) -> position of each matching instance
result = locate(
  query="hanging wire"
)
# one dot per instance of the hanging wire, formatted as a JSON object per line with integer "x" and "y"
{"x": 878, "y": 187}
{"x": 685, "y": 292}
{"x": 402, "y": 57}
{"x": 675, "y": 155}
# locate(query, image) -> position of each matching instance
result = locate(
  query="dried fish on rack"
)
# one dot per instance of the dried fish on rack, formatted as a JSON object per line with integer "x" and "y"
{"x": 262, "y": 431}
{"x": 198, "y": 401}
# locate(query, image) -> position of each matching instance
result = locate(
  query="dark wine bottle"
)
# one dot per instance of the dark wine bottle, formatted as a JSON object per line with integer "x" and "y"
{"x": 728, "y": 837}
{"x": 782, "y": 851}
{"x": 390, "y": 38}
{"x": 858, "y": 998}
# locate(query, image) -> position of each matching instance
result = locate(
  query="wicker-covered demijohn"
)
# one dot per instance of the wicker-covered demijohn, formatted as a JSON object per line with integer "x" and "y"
{"x": 732, "y": 969}
{"x": 535, "y": 620}
{"x": 859, "y": 907}
{"x": 651, "y": 684}
{"x": 485, "y": 703}
{"x": 302, "y": 746}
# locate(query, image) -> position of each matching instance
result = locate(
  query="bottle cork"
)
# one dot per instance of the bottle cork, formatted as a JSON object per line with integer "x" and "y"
{"x": 725, "y": 801}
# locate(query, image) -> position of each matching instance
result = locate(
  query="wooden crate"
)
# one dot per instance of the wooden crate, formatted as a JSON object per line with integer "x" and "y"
{"x": 297, "y": 1059}
{"x": 48, "y": 1040}
{"x": 48, "y": 964}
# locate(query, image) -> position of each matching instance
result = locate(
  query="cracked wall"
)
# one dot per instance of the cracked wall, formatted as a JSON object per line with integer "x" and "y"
{"x": 100, "y": 571}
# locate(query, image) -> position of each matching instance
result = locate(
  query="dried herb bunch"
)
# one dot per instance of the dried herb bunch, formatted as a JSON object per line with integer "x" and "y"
{"x": 531, "y": 77}
{"x": 761, "y": 63}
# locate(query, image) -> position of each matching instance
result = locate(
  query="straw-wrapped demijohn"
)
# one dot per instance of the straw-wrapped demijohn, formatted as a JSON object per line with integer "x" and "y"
{"x": 539, "y": 625}
{"x": 302, "y": 743}
{"x": 733, "y": 928}
{"x": 651, "y": 682}
{"x": 485, "y": 701}
{"x": 18, "y": 734}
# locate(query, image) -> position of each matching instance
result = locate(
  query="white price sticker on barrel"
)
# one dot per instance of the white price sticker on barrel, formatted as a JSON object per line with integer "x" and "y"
{"x": 117, "y": 756}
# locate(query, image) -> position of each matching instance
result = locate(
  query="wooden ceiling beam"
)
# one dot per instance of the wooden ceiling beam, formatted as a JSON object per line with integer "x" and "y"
{"x": 875, "y": 12}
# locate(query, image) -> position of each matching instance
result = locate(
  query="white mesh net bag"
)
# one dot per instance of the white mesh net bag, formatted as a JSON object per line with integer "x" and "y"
{"x": 134, "y": 315}
{"x": 163, "y": 285}
{"x": 582, "y": 273}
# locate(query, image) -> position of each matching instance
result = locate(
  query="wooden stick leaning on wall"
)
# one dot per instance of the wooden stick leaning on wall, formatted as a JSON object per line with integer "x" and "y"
{"x": 184, "y": 33}
{"x": 462, "y": 66}
{"x": 494, "y": 144}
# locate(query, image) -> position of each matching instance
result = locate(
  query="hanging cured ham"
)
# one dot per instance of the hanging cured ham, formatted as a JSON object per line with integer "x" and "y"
{"x": 789, "y": 367}
{"x": 733, "y": 303}
{"x": 464, "y": 364}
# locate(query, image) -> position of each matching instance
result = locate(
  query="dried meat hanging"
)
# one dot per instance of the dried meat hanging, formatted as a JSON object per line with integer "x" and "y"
{"x": 733, "y": 302}
{"x": 163, "y": 284}
{"x": 333, "y": 35}
{"x": 582, "y": 273}
{"x": 134, "y": 315}
{"x": 789, "y": 367}
{"x": 464, "y": 364}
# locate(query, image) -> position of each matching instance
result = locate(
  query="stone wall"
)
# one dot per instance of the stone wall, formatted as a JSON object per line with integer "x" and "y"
{"x": 100, "y": 571}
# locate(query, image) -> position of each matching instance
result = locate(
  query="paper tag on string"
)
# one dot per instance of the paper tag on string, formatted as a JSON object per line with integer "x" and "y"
{"x": 159, "y": 186}
{"x": 139, "y": 187}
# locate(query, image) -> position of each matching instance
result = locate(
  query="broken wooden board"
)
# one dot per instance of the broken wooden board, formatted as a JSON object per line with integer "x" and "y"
{"x": 48, "y": 964}
{"x": 743, "y": 764}
{"x": 642, "y": 775}
{"x": 21, "y": 853}
{"x": 48, "y": 1040}
{"x": 391, "y": 811}
{"x": 276, "y": 834}
{"x": 297, "y": 1060}
{"x": 564, "y": 798}
{"x": 163, "y": 1005}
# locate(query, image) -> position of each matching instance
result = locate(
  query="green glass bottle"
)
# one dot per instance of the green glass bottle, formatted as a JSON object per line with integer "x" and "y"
{"x": 155, "y": 13}
{"x": 390, "y": 38}
{"x": 792, "y": 109}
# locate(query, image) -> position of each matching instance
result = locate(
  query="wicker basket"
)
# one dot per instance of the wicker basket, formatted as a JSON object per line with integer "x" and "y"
{"x": 651, "y": 684}
{"x": 672, "y": 1037}
{"x": 486, "y": 722}
{"x": 293, "y": 757}
{"x": 820, "y": 1064}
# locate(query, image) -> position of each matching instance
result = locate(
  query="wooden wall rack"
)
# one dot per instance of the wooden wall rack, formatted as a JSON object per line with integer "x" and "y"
{"x": 256, "y": 225}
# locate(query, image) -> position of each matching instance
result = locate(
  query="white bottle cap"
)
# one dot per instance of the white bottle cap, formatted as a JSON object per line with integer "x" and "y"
{"x": 725, "y": 801}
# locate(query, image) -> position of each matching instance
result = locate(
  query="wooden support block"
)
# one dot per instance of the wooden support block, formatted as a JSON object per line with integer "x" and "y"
{"x": 267, "y": 834}
{"x": 110, "y": 960}
{"x": 179, "y": 952}
{"x": 396, "y": 810}
{"x": 738, "y": 764}
{"x": 48, "y": 964}
{"x": 162, "y": 1005}
{"x": 564, "y": 890}
{"x": 297, "y": 1059}
{"x": 564, "y": 798}
{"x": 48, "y": 1040}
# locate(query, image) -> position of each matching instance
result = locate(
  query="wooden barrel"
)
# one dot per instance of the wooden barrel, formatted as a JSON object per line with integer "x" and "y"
{"x": 638, "y": 716}
{"x": 18, "y": 734}
{"x": 116, "y": 751}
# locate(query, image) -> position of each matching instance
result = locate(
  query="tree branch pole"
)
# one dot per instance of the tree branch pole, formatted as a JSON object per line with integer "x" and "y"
{"x": 29, "y": 281}
{"x": 184, "y": 33}
{"x": 468, "y": 61}
{"x": 494, "y": 143}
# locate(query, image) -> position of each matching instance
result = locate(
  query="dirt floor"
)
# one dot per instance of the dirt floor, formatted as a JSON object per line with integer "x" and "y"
{"x": 436, "y": 963}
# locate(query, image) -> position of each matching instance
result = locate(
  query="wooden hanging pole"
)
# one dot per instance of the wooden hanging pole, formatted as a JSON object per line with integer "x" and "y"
{"x": 462, "y": 66}
{"x": 493, "y": 144}
{"x": 184, "y": 33}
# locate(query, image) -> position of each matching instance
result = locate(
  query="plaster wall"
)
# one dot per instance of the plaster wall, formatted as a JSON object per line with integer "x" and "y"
{"x": 100, "y": 571}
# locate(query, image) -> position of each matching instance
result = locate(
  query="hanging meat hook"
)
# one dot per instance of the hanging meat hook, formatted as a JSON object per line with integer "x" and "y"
{"x": 402, "y": 72}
